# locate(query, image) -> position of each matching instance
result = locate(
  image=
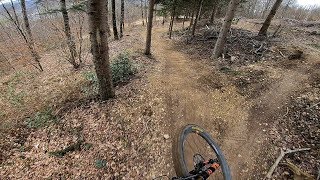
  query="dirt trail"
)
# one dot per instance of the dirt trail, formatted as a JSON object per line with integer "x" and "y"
{"x": 223, "y": 112}
{"x": 196, "y": 93}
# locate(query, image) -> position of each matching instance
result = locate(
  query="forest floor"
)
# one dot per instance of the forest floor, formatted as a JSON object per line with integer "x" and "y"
{"x": 252, "y": 107}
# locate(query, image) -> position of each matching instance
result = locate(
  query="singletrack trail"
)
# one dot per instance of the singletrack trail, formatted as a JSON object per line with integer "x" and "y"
{"x": 189, "y": 98}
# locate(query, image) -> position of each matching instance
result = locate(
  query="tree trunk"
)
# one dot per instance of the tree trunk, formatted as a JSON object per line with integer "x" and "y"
{"x": 29, "y": 38}
{"x": 142, "y": 14}
{"x": 67, "y": 32}
{"x": 149, "y": 28}
{"x": 197, "y": 18}
{"x": 163, "y": 19}
{"x": 114, "y": 20}
{"x": 183, "y": 21}
{"x": 213, "y": 12}
{"x": 107, "y": 19}
{"x": 99, "y": 43}
{"x": 122, "y": 19}
{"x": 145, "y": 11}
{"x": 267, "y": 22}
{"x": 173, "y": 13}
{"x": 218, "y": 49}
{"x": 191, "y": 20}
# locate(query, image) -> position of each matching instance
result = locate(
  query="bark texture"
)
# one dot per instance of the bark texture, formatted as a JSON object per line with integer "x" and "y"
{"x": 197, "y": 18}
{"x": 114, "y": 20}
{"x": 264, "y": 29}
{"x": 67, "y": 32}
{"x": 149, "y": 28}
{"x": 122, "y": 19}
{"x": 218, "y": 49}
{"x": 100, "y": 49}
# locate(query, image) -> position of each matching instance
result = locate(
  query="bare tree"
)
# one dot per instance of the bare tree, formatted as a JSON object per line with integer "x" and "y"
{"x": 100, "y": 49}
{"x": 142, "y": 10}
{"x": 122, "y": 19}
{"x": 173, "y": 14}
{"x": 184, "y": 19}
{"x": 218, "y": 49}
{"x": 114, "y": 20}
{"x": 29, "y": 38}
{"x": 149, "y": 28}
{"x": 264, "y": 29}
{"x": 197, "y": 18}
{"x": 213, "y": 12}
{"x": 108, "y": 27}
{"x": 67, "y": 31}
{"x": 146, "y": 11}
{"x": 191, "y": 19}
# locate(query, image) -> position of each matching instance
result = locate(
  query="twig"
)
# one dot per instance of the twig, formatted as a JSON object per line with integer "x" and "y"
{"x": 282, "y": 154}
{"x": 281, "y": 53}
{"x": 313, "y": 105}
{"x": 261, "y": 46}
{"x": 286, "y": 112}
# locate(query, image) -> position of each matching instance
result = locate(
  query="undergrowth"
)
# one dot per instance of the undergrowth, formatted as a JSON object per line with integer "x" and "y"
{"x": 15, "y": 97}
{"x": 122, "y": 70}
{"x": 317, "y": 46}
{"x": 41, "y": 119}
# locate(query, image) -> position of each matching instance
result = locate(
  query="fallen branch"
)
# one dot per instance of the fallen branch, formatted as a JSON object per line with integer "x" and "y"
{"x": 259, "y": 49}
{"x": 286, "y": 112}
{"x": 281, "y": 53}
{"x": 71, "y": 148}
{"x": 282, "y": 154}
{"x": 313, "y": 105}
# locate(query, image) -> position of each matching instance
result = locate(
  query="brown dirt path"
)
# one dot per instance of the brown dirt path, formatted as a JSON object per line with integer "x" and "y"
{"x": 196, "y": 93}
{"x": 185, "y": 84}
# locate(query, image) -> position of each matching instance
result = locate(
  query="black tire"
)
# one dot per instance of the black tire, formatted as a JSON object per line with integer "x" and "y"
{"x": 178, "y": 151}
